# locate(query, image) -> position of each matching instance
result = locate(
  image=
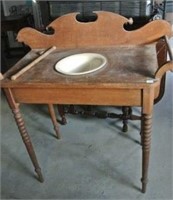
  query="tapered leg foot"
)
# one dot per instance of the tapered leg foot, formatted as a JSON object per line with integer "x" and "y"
{"x": 144, "y": 185}
{"x": 54, "y": 120}
{"x": 40, "y": 176}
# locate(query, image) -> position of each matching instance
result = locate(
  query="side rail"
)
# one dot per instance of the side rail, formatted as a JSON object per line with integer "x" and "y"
{"x": 168, "y": 66}
{"x": 165, "y": 65}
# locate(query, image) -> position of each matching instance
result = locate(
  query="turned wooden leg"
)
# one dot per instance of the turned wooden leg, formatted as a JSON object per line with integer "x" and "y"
{"x": 27, "y": 141}
{"x": 62, "y": 114}
{"x": 146, "y": 143}
{"x": 23, "y": 132}
{"x": 54, "y": 120}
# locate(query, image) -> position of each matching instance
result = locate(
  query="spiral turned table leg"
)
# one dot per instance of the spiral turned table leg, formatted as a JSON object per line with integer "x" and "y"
{"x": 27, "y": 142}
{"x": 146, "y": 145}
{"x": 23, "y": 132}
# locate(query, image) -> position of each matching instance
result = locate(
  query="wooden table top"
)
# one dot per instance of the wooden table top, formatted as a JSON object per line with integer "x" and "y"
{"x": 126, "y": 65}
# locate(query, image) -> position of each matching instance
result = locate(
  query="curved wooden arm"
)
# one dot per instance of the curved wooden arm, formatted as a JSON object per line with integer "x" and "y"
{"x": 162, "y": 70}
{"x": 161, "y": 74}
{"x": 164, "y": 66}
{"x": 168, "y": 66}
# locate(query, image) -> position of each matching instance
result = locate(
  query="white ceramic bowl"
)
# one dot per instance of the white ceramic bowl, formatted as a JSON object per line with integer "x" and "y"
{"x": 82, "y": 63}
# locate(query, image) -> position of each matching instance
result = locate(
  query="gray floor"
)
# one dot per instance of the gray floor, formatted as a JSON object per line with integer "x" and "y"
{"x": 93, "y": 160}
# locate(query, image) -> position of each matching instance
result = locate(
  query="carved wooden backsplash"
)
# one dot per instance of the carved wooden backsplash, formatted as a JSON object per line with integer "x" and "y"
{"x": 107, "y": 30}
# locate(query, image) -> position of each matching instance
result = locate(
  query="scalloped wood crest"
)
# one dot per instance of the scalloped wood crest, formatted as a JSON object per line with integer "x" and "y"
{"x": 107, "y": 30}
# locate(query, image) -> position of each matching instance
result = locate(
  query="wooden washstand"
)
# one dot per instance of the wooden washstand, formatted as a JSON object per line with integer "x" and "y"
{"x": 133, "y": 76}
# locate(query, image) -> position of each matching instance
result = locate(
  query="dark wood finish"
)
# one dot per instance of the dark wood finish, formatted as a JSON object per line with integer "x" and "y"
{"x": 127, "y": 114}
{"x": 132, "y": 76}
{"x": 87, "y": 111}
{"x": 62, "y": 114}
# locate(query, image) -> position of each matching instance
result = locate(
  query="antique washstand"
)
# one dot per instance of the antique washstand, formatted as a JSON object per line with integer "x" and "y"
{"x": 129, "y": 72}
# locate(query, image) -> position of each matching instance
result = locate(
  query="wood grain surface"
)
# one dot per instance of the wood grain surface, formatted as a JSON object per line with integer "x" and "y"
{"x": 108, "y": 29}
{"x": 126, "y": 65}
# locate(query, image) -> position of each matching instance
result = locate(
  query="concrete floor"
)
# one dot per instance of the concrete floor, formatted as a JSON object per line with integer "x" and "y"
{"x": 93, "y": 160}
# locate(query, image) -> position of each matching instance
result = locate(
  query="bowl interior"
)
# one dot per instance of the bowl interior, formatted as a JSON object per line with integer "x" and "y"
{"x": 79, "y": 64}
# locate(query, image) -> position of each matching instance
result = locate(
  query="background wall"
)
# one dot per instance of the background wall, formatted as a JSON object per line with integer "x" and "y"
{"x": 169, "y": 11}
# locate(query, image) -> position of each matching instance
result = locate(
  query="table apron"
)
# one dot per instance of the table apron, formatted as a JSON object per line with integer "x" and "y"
{"x": 87, "y": 96}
